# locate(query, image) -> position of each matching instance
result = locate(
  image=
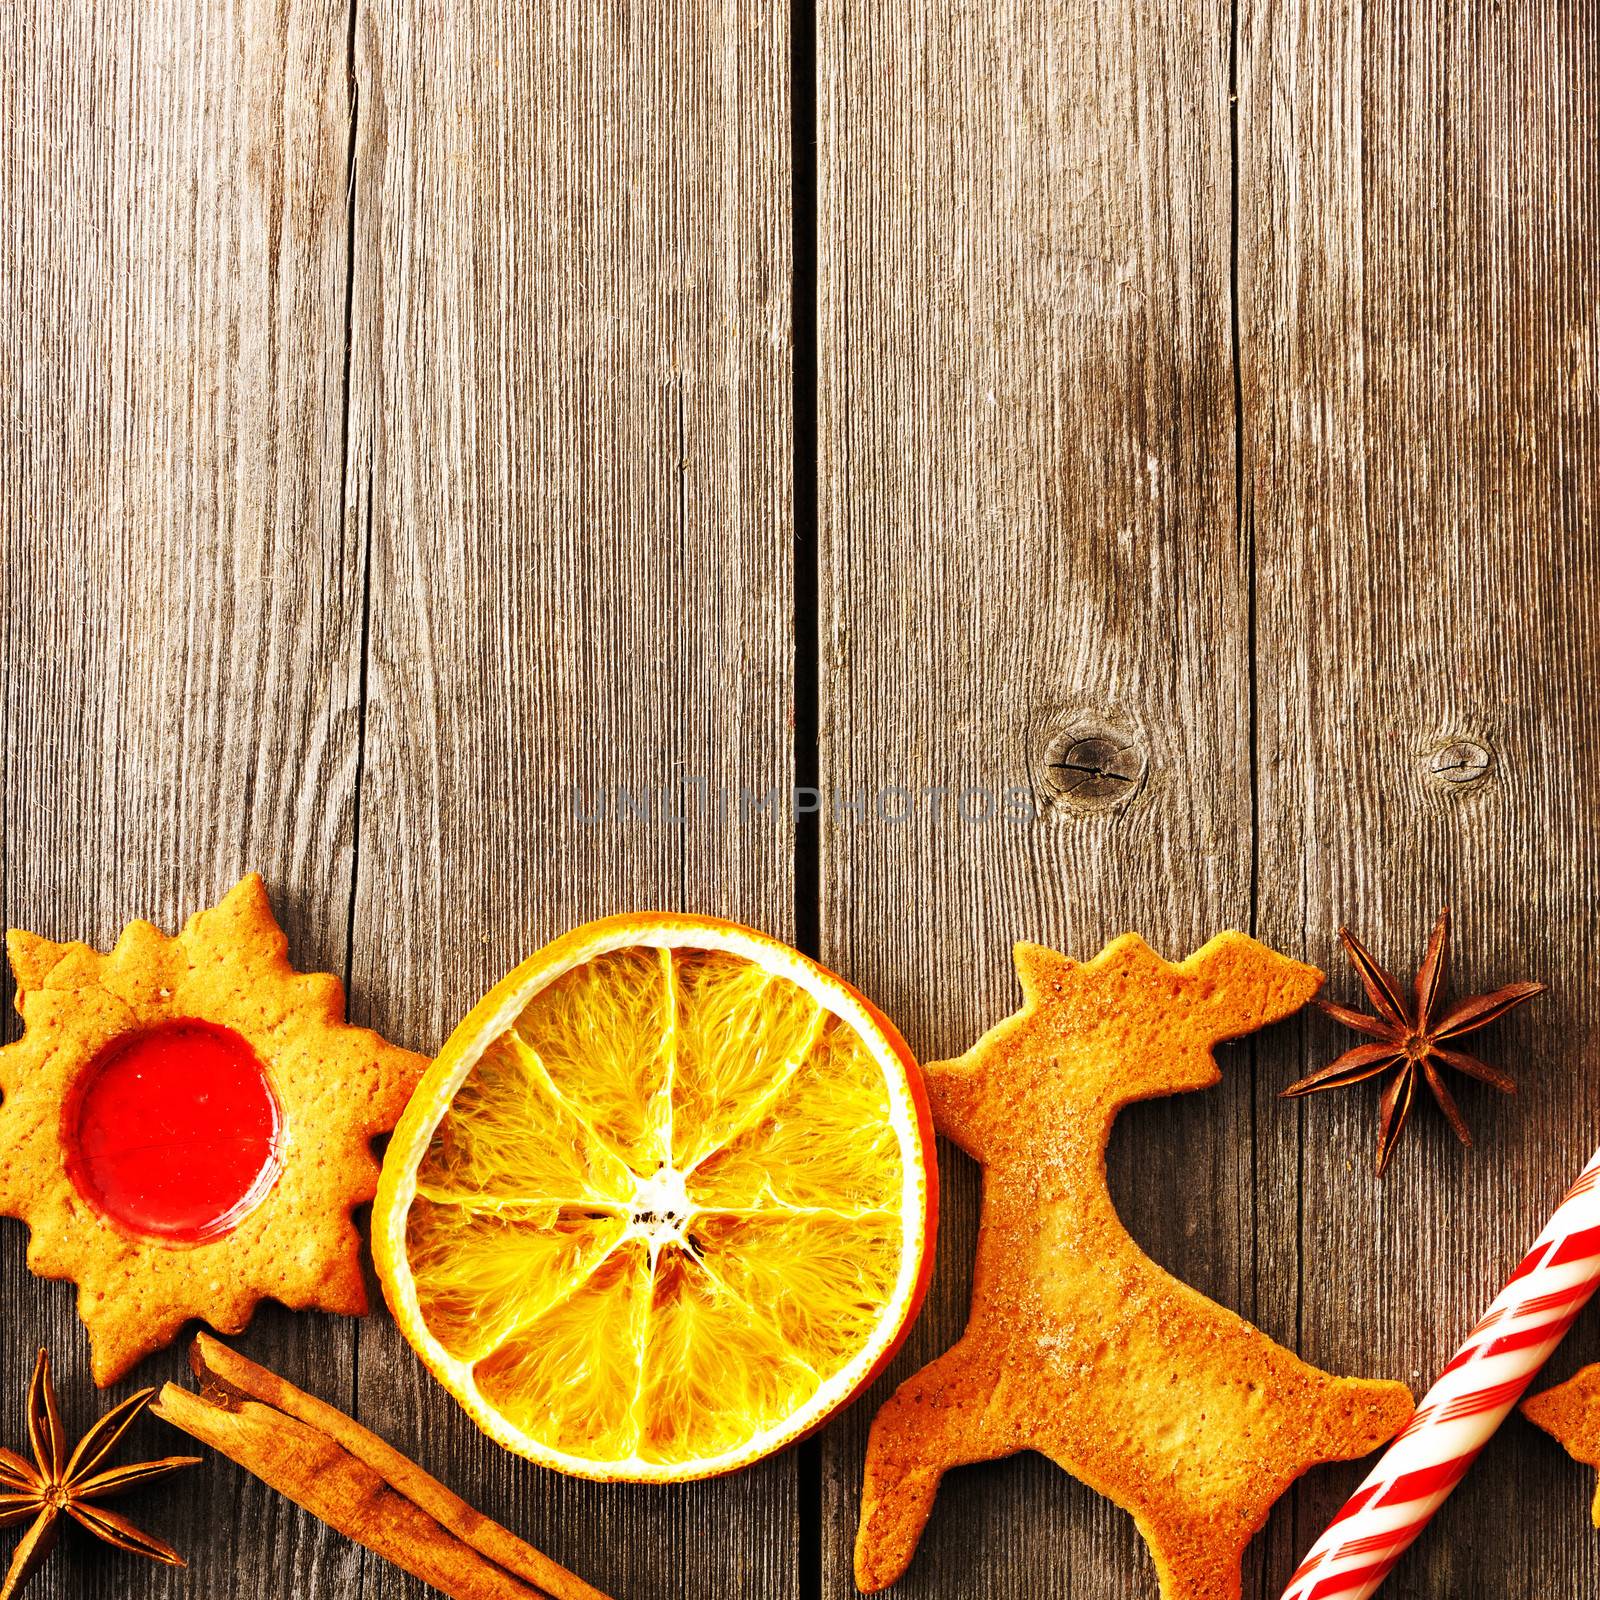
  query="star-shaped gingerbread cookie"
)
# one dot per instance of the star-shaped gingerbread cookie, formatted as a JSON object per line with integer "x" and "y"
{"x": 1078, "y": 1345}
{"x": 1570, "y": 1414}
{"x": 187, "y": 1124}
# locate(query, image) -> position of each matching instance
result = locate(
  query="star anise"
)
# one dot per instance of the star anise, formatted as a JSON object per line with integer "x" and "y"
{"x": 70, "y": 1484}
{"x": 1413, "y": 1037}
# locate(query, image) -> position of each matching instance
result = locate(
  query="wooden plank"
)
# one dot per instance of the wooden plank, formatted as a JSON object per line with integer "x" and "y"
{"x": 181, "y": 595}
{"x": 569, "y": 450}
{"x": 571, "y": 440}
{"x": 1028, "y": 555}
{"x": 1418, "y": 289}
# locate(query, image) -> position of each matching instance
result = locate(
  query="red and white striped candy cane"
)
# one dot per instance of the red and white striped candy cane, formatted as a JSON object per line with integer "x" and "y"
{"x": 1461, "y": 1411}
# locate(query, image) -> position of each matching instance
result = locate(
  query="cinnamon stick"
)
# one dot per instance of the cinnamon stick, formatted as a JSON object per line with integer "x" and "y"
{"x": 351, "y": 1479}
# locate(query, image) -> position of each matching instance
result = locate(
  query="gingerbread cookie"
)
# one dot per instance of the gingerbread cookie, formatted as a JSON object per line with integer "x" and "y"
{"x": 1078, "y": 1345}
{"x": 187, "y": 1124}
{"x": 1570, "y": 1414}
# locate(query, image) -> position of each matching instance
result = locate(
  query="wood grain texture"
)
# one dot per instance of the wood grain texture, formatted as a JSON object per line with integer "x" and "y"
{"x": 347, "y": 536}
{"x": 1026, "y": 442}
{"x": 1419, "y": 295}
{"x": 571, "y": 441}
{"x": 181, "y": 597}
{"x": 1417, "y": 363}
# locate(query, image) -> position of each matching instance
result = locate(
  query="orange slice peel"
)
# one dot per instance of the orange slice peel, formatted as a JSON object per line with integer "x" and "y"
{"x": 663, "y": 1204}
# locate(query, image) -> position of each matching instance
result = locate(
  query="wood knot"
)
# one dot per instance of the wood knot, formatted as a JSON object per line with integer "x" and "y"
{"x": 1091, "y": 768}
{"x": 1459, "y": 764}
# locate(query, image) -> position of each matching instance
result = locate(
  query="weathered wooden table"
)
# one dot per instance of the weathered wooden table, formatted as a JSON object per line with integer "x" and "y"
{"x": 424, "y": 422}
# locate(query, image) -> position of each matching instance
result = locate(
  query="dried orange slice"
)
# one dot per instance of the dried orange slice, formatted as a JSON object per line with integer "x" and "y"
{"x": 665, "y": 1201}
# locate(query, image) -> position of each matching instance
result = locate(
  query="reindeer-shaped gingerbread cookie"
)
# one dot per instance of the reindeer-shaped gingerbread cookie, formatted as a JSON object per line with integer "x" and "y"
{"x": 1078, "y": 1345}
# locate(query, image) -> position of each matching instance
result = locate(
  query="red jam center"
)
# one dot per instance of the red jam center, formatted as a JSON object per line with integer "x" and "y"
{"x": 174, "y": 1132}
